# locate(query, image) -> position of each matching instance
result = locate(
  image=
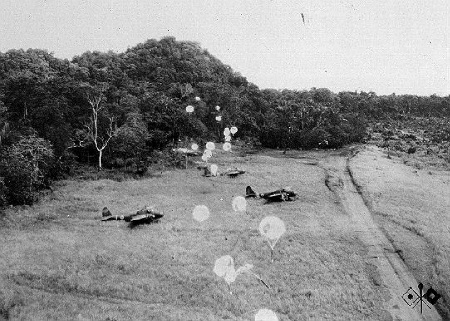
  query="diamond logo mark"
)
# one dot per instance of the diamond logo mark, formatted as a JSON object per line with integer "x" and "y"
{"x": 411, "y": 297}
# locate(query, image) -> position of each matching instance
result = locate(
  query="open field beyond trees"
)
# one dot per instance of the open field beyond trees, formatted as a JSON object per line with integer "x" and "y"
{"x": 60, "y": 262}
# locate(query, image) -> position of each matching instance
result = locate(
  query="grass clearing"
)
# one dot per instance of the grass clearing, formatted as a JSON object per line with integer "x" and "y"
{"x": 411, "y": 204}
{"x": 75, "y": 267}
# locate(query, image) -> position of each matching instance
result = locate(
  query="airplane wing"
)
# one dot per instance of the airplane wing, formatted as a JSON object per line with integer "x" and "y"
{"x": 157, "y": 216}
{"x": 135, "y": 218}
{"x": 113, "y": 218}
{"x": 140, "y": 217}
{"x": 276, "y": 197}
{"x": 234, "y": 173}
{"x": 109, "y": 218}
{"x": 146, "y": 217}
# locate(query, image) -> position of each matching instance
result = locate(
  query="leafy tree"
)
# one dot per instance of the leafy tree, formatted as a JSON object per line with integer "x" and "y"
{"x": 4, "y": 125}
{"x": 25, "y": 168}
{"x": 130, "y": 140}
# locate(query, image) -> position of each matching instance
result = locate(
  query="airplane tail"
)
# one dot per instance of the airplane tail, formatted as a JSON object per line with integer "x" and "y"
{"x": 249, "y": 192}
{"x": 106, "y": 212}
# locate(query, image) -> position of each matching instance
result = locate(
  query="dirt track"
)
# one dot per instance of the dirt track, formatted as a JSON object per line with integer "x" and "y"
{"x": 394, "y": 274}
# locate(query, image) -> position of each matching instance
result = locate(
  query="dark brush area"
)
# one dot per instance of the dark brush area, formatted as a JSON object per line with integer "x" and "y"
{"x": 128, "y": 110}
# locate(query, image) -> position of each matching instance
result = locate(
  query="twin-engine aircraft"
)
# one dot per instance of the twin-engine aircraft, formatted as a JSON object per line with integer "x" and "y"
{"x": 145, "y": 215}
{"x": 280, "y": 195}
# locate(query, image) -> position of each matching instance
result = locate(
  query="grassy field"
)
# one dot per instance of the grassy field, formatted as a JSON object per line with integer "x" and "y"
{"x": 60, "y": 262}
{"x": 409, "y": 197}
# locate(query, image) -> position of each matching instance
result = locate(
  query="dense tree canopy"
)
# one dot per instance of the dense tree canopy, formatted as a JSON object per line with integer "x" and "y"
{"x": 143, "y": 96}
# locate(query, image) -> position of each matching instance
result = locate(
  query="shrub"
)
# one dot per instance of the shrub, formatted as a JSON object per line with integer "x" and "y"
{"x": 312, "y": 138}
{"x": 129, "y": 142}
{"x": 157, "y": 139}
{"x": 118, "y": 162}
{"x": 63, "y": 166}
{"x": 25, "y": 167}
{"x": 3, "y": 193}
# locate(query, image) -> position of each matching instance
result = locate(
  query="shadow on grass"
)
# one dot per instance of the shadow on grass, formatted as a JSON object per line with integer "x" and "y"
{"x": 9, "y": 299}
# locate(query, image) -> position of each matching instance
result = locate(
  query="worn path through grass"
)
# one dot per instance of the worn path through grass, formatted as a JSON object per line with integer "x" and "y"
{"x": 412, "y": 207}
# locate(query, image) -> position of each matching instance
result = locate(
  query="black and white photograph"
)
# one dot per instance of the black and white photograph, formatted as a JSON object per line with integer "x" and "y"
{"x": 248, "y": 160}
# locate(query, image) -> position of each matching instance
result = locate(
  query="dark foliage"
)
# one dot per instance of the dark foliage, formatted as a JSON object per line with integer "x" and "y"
{"x": 25, "y": 168}
{"x": 142, "y": 96}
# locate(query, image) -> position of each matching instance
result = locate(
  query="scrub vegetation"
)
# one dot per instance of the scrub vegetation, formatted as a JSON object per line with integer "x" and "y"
{"x": 119, "y": 110}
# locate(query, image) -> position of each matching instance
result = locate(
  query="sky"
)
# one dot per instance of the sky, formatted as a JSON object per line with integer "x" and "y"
{"x": 388, "y": 46}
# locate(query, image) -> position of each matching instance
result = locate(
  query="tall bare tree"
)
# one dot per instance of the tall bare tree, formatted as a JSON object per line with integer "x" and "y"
{"x": 95, "y": 99}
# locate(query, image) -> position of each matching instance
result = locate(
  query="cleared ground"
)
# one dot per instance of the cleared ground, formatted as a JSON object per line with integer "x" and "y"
{"x": 59, "y": 262}
{"x": 412, "y": 206}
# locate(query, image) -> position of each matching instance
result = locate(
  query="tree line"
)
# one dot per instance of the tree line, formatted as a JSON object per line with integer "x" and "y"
{"x": 118, "y": 108}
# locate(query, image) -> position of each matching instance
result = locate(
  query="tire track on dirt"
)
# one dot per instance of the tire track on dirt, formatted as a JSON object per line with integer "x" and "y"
{"x": 394, "y": 274}
{"x": 97, "y": 297}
